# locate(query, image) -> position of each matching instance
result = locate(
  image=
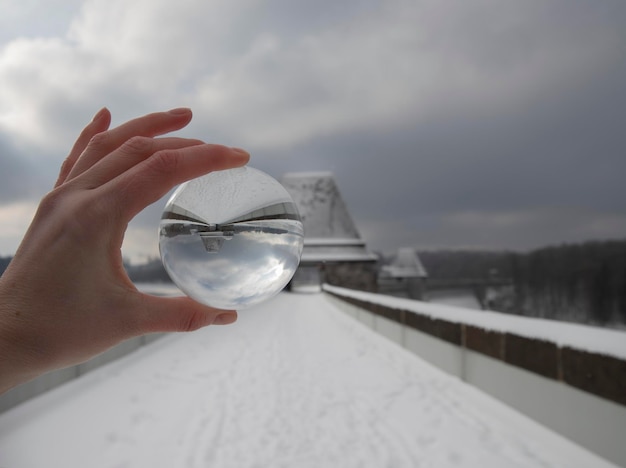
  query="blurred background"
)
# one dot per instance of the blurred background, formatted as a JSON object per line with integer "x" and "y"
{"x": 484, "y": 135}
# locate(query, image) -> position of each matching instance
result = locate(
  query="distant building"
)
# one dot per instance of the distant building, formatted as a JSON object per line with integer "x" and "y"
{"x": 334, "y": 251}
{"x": 404, "y": 275}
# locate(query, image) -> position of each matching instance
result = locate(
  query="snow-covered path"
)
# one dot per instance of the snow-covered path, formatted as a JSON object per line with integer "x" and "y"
{"x": 295, "y": 383}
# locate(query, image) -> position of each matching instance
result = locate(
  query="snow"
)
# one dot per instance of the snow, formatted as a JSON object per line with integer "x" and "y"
{"x": 294, "y": 383}
{"x": 334, "y": 241}
{"x": 458, "y": 298}
{"x": 583, "y": 337}
{"x": 405, "y": 264}
{"x": 321, "y": 206}
{"x": 329, "y": 255}
{"x": 330, "y": 232}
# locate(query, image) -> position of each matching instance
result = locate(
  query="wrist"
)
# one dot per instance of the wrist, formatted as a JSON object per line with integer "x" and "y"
{"x": 17, "y": 365}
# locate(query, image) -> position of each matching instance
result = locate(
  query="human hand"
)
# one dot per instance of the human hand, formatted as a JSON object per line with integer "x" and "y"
{"x": 66, "y": 297}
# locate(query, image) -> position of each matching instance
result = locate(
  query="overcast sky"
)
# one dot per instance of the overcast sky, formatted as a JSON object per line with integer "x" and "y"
{"x": 467, "y": 123}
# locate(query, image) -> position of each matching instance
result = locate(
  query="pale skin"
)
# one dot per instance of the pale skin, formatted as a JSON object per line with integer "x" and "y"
{"x": 65, "y": 296}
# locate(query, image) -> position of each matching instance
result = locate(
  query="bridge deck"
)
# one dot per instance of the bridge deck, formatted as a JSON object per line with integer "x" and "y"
{"x": 294, "y": 383}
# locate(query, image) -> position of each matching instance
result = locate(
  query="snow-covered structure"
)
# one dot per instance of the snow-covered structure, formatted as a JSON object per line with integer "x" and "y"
{"x": 404, "y": 274}
{"x": 334, "y": 251}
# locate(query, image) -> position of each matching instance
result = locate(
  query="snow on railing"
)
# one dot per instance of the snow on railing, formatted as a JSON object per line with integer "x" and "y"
{"x": 569, "y": 377}
{"x": 589, "y": 358}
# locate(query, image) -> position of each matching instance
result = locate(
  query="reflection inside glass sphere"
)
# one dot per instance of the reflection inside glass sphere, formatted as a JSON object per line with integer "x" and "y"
{"x": 231, "y": 239}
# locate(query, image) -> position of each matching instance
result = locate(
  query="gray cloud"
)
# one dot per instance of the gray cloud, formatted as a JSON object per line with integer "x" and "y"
{"x": 19, "y": 177}
{"x": 475, "y": 123}
{"x": 27, "y": 18}
{"x": 560, "y": 154}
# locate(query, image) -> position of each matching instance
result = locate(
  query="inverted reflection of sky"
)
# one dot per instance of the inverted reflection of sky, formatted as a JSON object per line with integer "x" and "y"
{"x": 251, "y": 267}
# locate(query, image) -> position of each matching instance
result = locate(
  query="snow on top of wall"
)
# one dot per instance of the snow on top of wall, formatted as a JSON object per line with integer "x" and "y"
{"x": 583, "y": 337}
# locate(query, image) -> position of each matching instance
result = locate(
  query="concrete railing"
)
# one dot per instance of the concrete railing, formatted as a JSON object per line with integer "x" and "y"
{"x": 575, "y": 392}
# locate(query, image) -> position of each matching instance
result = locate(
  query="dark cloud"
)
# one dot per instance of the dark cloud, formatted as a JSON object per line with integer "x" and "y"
{"x": 297, "y": 19}
{"x": 447, "y": 124}
{"x": 19, "y": 177}
{"x": 560, "y": 154}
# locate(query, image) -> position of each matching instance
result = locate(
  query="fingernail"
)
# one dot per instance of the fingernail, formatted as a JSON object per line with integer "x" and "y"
{"x": 240, "y": 151}
{"x": 179, "y": 111}
{"x": 225, "y": 318}
{"x": 101, "y": 113}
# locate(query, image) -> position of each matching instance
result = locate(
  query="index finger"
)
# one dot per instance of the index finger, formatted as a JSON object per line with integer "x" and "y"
{"x": 148, "y": 181}
{"x": 99, "y": 123}
{"x": 150, "y": 125}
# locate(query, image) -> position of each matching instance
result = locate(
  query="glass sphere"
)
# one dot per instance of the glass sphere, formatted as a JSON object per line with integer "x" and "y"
{"x": 232, "y": 238}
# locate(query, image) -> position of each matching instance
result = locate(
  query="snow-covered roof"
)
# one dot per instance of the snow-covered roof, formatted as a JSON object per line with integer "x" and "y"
{"x": 322, "y": 208}
{"x": 333, "y": 241}
{"x": 342, "y": 253}
{"x": 330, "y": 233}
{"x": 405, "y": 264}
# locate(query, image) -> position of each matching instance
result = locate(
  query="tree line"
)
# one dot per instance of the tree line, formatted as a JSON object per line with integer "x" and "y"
{"x": 152, "y": 271}
{"x": 4, "y": 263}
{"x": 465, "y": 264}
{"x": 579, "y": 282}
{"x": 583, "y": 282}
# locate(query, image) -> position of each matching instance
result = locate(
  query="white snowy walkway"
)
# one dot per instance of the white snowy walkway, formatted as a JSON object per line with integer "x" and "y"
{"x": 295, "y": 383}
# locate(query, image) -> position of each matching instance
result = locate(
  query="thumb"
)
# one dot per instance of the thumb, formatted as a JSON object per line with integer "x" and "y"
{"x": 179, "y": 314}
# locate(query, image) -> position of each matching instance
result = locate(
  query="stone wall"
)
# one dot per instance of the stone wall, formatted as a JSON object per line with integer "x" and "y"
{"x": 361, "y": 276}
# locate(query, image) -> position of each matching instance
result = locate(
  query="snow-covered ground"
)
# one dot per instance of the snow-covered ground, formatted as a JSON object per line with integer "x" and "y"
{"x": 294, "y": 383}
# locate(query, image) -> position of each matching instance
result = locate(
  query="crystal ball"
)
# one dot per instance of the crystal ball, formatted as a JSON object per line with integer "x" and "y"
{"x": 231, "y": 239}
